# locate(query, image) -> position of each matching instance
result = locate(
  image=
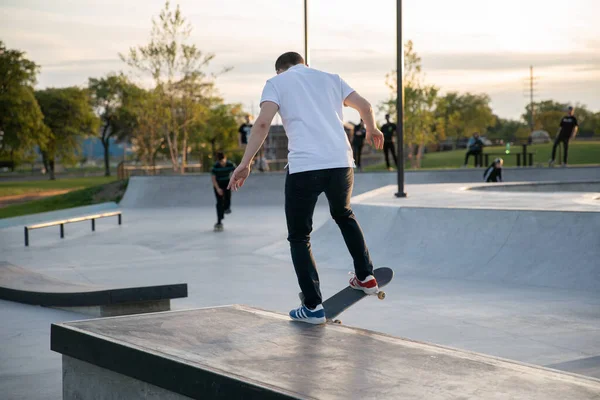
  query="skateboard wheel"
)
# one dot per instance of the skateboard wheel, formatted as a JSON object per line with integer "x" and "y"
{"x": 337, "y": 321}
{"x": 381, "y": 295}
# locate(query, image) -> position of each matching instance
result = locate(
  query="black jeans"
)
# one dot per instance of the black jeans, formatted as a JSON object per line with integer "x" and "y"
{"x": 301, "y": 193}
{"x": 223, "y": 202}
{"x": 357, "y": 146}
{"x": 477, "y": 154}
{"x": 565, "y": 142}
{"x": 389, "y": 147}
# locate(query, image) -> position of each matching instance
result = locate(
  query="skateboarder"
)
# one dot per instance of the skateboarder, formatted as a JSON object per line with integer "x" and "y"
{"x": 320, "y": 160}
{"x": 493, "y": 173}
{"x": 221, "y": 173}
{"x": 566, "y": 132}
{"x": 389, "y": 131}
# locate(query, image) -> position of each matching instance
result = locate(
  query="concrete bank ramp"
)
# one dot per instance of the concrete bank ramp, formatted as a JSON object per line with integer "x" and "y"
{"x": 267, "y": 189}
{"x": 539, "y": 248}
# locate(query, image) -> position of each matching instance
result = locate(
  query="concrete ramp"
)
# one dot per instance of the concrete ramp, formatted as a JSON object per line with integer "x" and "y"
{"x": 266, "y": 189}
{"x": 537, "y": 248}
{"x": 239, "y": 352}
{"x": 196, "y": 190}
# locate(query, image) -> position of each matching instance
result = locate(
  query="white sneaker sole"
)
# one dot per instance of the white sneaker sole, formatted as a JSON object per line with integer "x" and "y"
{"x": 369, "y": 291}
{"x": 314, "y": 321}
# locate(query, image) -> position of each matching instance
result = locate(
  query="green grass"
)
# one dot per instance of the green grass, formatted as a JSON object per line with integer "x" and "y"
{"x": 580, "y": 153}
{"x": 27, "y": 187}
{"x": 112, "y": 191}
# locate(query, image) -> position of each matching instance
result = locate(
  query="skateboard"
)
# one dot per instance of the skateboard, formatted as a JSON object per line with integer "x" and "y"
{"x": 347, "y": 297}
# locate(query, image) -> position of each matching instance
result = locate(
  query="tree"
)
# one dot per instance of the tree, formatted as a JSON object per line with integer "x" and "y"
{"x": 463, "y": 114}
{"x": 548, "y": 114}
{"x": 421, "y": 125}
{"x": 177, "y": 69}
{"x": 109, "y": 98}
{"x": 21, "y": 120}
{"x": 220, "y": 129}
{"x": 69, "y": 116}
{"x": 505, "y": 129}
{"x": 145, "y": 116}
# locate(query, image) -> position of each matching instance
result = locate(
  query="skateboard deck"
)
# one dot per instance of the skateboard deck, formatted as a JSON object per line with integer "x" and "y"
{"x": 347, "y": 297}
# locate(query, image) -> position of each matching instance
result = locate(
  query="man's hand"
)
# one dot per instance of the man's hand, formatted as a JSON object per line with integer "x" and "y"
{"x": 219, "y": 191}
{"x": 238, "y": 177}
{"x": 376, "y": 138}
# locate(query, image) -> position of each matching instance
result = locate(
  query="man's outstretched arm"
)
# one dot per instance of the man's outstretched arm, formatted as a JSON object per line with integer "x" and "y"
{"x": 258, "y": 134}
{"x": 365, "y": 110}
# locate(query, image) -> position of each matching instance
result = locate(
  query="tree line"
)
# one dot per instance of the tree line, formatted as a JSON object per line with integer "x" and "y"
{"x": 179, "y": 113}
{"x": 430, "y": 117}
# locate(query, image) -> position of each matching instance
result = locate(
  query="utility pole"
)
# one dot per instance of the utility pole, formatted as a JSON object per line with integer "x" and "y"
{"x": 531, "y": 89}
{"x": 400, "y": 99}
{"x": 306, "y": 52}
{"x": 531, "y": 97}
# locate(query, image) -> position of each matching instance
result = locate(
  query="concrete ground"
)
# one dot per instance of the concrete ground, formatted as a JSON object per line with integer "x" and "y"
{"x": 519, "y": 279}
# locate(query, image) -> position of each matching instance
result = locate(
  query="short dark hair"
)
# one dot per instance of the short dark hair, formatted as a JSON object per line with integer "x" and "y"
{"x": 287, "y": 60}
{"x": 220, "y": 155}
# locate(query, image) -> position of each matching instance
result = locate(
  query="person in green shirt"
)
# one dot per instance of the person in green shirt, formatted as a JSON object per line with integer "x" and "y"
{"x": 221, "y": 173}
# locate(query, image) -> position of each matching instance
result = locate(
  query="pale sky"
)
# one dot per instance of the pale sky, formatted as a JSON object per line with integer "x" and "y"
{"x": 466, "y": 45}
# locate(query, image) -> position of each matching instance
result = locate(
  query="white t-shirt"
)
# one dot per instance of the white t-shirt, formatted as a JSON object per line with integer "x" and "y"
{"x": 310, "y": 104}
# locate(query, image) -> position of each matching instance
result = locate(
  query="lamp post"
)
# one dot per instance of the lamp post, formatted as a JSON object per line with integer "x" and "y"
{"x": 400, "y": 99}
{"x": 306, "y": 55}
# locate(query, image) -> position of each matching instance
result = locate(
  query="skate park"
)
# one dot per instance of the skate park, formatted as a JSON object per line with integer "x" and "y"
{"x": 510, "y": 276}
{"x": 137, "y": 114}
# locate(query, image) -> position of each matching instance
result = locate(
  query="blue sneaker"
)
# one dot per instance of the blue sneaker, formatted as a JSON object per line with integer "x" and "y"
{"x": 305, "y": 314}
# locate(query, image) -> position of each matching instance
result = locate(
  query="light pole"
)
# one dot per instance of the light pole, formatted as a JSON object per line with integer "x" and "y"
{"x": 306, "y": 55}
{"x": 400, "y": 99}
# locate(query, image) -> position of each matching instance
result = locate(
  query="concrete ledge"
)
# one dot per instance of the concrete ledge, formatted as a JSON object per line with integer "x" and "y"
{"x": 127, "y": 308}
{"x": 24, "y": 286}
{"x": 242, "y": 352}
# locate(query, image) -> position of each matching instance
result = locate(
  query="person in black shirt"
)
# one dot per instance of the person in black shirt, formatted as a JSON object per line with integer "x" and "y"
{"x": 493, "y": 173}
{"x": 389, "y": 131}
{"x": 221, "y": 173}
{"x": 244, "y": 131}
{"x": 358, "y": 142}
{"x": 567, "y": 131}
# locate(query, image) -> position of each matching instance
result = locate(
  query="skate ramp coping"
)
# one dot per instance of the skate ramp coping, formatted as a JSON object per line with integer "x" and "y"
{"x": 29, "y": 287}
{"x": 544, "y": 187}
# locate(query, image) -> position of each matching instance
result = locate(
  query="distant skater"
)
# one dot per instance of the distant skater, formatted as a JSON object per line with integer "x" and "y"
{"x": 221, "y": 173}
{"x": 358, "y": 142}
{"x": 389, "y": 131}
{"x": 244, "y": 132}
{"x": 310, "y": 104}
{"x": 567, "y": 130}
{"x": 493, "y": 173}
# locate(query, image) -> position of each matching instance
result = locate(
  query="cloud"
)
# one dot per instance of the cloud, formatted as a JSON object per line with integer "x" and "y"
{"x": 87, "y": 63}
{"x": 506, "y": 60}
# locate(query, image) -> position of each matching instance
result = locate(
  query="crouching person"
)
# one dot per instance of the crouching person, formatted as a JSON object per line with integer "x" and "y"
{"x": 493, "y": 173}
